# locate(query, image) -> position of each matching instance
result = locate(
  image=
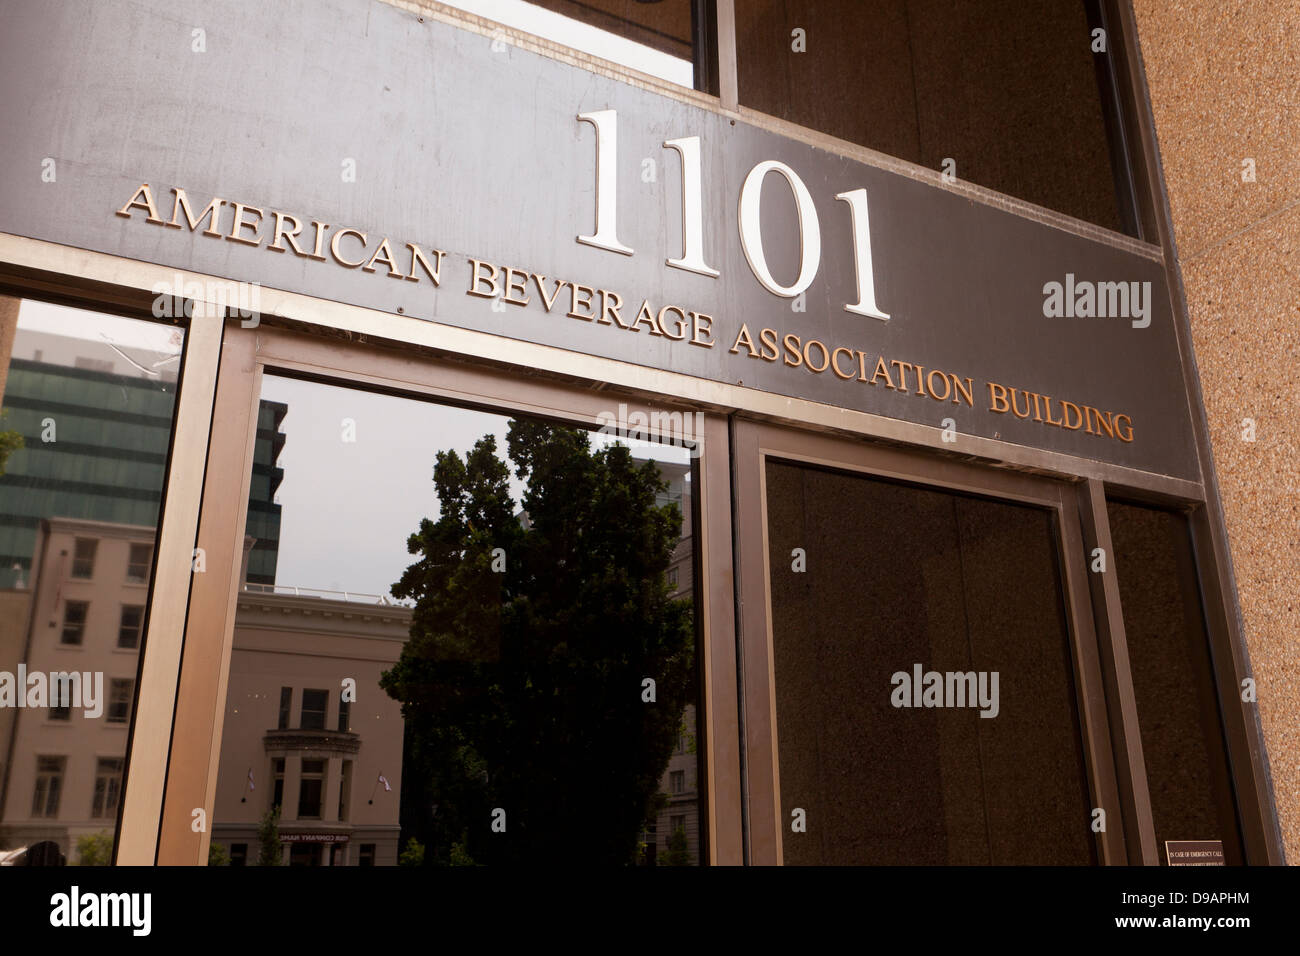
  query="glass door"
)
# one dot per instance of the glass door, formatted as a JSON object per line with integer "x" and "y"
{"x": 450, "y": 618}
{"x": 921, "y": 675}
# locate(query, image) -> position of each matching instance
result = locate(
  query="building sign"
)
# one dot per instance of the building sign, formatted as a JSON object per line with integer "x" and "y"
{"x": 434, "y": 174}
{"x": 1194, "y": 852}
{"x": 314, "y": 838}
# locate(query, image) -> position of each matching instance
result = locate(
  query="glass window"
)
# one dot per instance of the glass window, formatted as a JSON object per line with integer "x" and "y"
{"x": 367, "y": 855}
{"x": 1188, "y": 775}
{"x": 311, "y": 789}
{"x": 83, "y": 564}
{"x": 496, "y": 588}
{"x": 314, "y": 703}
{"x": 277, "y": 788}
{"x": 108, "y": 787}
{"x": 49, "y": 786}
{"x": 286, "y": 706}
{"x": 74, "y": 621}
{"x": 119, "y": 701}
{"x": 128, "y": 632}
{"x": 239, "y": 854}
{"x": 657, "y": 37}
{"x": 137, "y": 565}
{"x": 1006, "y": 94}
{"x": 677, "y": 780}
{"x": 87, "y": 403}
{"x": 925, "y": 695}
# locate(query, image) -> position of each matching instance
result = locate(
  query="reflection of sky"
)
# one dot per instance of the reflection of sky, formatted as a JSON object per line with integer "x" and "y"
{"x": 572, "y": 33}
{"x": 96, "y": 327}
{"x": 348, "y": 507}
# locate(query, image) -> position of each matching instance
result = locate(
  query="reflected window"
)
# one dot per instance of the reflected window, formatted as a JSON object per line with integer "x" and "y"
{"x": 137, "y": 566}
{"x": 74, "y": 621}
{"x": 83, "y": 564}
{"x": 239, "y": 854}
{"x": 108, "y": 787}
{"x": 119, "y": 701}
{"x": 498, "y": 622}
{"x": 311, "y": 789}
{"x": 314, "y": 703}
{"x": 128, "y": 632}
{"x": 49, "y": 786}
{"x": 286, "y": 707}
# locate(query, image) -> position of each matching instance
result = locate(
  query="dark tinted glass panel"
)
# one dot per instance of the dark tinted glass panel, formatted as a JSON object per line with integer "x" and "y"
{"x": 1006, "y": 89}
{"x": 1177, "y": 704}
{"x": 464, "y": 611}
{"x": 875, "y": 584}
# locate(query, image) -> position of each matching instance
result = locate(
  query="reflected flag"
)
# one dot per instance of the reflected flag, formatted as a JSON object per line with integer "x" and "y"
{"x": 384, "y": 781}
{"x": 250, "y": 779}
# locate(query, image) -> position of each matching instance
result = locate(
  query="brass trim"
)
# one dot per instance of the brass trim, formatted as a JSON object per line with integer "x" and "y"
{"x": 147, "y": 770}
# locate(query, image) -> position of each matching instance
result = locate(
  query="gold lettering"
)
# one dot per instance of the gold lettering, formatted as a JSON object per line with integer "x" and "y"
{"x": 862, "y": 366}
{"x": 882, "y": 370}
{"x": 825, "y": 355}
{"x": 1125, "y": 434}
{"x": 146, "y": 204}
{"x": 1037, "y": 411}
{"x": 967, "y": 392}
{"x": 607, "y": 310}
{"x": 681, "y": 323}
{"x": 768, "y": 338}
{"x": 393, "y": 271}
{"x": 920, "y": 381}
{"x": 835, "y": 362}
{"x": 998, "y": 396}
{"x": 902, "y": 375}
{"x": 239, "y": 225}
{"x": 320, "y": 228}
{"x": 1065, "y": 416}
{"x": 702, "y": 324}
{"x": 646, "y": 316}
{"x": 476, "y": 279}
{"x": 744, "y": 336}
{"x": 574, "y": 291}
{"x": 550, "y": 300}
{"x": 1047, "y": 406}
{"x": 434, "y": 272}
{"x": 1104, "y": 422}
{"x": 278, "y": 233}
{"x": 947, "y": 385}
{"x": 792, "y": 349}
{"x": 182, "y": 204}
{"x": 519, "y": 285}
{"x": 1015, "y": 406}
{"x": 338, "y": 256}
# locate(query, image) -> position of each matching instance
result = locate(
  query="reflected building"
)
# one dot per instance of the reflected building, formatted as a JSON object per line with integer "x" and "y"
{"x": 679, "y": 785}
{"x": 78, "y": 518}
{"x": 307, "y": 727}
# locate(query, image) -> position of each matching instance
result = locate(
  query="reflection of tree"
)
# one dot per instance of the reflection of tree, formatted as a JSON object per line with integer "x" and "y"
{"x": 521, "y": 683}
